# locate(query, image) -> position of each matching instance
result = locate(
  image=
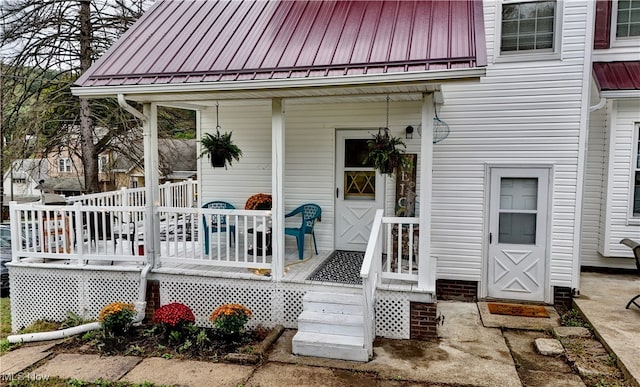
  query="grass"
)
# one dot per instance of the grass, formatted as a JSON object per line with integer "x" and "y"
{"x": 5, "y": 317}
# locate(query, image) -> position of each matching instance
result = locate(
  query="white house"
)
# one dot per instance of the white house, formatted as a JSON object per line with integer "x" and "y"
{"x": 303, "y": 85}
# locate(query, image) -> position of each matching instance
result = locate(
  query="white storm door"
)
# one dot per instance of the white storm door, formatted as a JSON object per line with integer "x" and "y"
{"x": 517, "y": 233}
{"x": 359, "y": 191}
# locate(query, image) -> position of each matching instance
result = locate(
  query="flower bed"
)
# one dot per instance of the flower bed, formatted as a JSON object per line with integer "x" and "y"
{"x": 173, "y": 334}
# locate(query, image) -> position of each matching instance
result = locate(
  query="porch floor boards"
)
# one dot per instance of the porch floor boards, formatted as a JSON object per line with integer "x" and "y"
{"x": 296, "y": 271}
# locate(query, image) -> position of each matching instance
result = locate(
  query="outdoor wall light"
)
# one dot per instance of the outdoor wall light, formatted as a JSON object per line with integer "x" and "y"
{"x": 409, "y": 132}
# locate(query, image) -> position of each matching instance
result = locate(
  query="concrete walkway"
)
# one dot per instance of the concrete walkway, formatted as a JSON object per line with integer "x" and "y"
{"x": 467, "y": 353}
{"x": 602, "y": 301}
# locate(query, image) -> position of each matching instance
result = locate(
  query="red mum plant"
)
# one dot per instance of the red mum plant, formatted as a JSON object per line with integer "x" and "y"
{"x": 173, "y": 315}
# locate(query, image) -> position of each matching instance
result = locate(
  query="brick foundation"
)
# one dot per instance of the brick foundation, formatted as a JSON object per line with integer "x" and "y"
{"x": 562, "y": 298}
{"x": 153, "y": 298}
{"x": 457, "y": 290}
{"x": 424, "y": 321}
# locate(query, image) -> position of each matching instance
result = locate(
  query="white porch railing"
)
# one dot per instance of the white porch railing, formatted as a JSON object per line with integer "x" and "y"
{"x": 180, "y": 194}
{"x": 77, "y": 233}
{"x": 371, "y": 276}
{"x": 215, "y": 237}
{"x": 401, "y": 248}
{"x": 392, "y": 253}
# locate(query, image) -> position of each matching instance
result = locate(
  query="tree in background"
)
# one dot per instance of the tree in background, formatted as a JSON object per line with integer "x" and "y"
{"x": 45, "y": 46}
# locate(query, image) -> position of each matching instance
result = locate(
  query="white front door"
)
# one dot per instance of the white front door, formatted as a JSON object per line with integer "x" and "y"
{"x": 359, "y": 191}
{"x": 518, "y": 211}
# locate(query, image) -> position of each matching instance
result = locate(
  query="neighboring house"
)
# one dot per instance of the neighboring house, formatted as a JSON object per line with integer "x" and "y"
{"x": 22, "y": 183}
{"x": 177, "y": 162}
{"x": 612, "y": 186}
{"x": 304, "y": 84}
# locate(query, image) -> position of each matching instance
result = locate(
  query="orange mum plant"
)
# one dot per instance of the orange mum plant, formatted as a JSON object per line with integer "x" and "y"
{"x": 230, "y": 318}
{"x": 259, "y": 202}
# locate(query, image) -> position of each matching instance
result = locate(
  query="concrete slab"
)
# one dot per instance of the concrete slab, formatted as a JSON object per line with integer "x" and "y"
{"x": 602, "y": 301}
{"x": 466, "y": 353}
{"x": 517, "y": 322}
{"x": 19, "y": 359}
{"x": 550, "y": 379}
{"x": 525, "y": 355}
{"x": 277, "y": 375}
{"x": 88, "y": 367}
{"x": 188, "y": 373}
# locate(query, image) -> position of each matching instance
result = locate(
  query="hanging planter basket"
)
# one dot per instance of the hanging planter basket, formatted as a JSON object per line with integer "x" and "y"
{"x": 219, "y": 148}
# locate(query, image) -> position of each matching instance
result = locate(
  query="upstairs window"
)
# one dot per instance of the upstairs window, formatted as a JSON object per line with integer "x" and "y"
{"x": 528, "y": 26}
{"x": 64, "y": 164}
{"x": 628, "y": 18}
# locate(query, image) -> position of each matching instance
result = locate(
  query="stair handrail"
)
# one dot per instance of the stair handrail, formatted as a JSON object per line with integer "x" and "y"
{"x": 370, "y": 273}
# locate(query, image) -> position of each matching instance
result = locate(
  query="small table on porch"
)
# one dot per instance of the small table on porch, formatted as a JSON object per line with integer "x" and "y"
{"x": 259, "y": 246}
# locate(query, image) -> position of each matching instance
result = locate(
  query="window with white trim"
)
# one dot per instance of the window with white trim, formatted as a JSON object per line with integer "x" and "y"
{"x": 528, "y": 26}
{"x": 64, "y": 164}
{"x": 103, "y": 164}
{"x": 635, "y": 194}
{"x": 627, "y": 18}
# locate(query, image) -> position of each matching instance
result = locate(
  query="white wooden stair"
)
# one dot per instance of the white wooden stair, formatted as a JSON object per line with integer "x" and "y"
{"x": 331, "y": 325}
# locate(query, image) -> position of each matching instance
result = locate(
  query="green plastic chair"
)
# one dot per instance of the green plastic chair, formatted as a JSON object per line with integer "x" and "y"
{"x": 309, "y": 213}
{"x": 217, "y": 204}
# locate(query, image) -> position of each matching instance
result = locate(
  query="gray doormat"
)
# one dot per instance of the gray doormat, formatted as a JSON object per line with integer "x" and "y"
{"x": 341, "y": 267}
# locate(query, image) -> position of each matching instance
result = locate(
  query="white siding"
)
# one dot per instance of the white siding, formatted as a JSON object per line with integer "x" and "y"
{"x": 310, "y": 152}
{"x": 617, "y": 223}
{"x": 597, "y": 214}
{"x": 521, "y": 113}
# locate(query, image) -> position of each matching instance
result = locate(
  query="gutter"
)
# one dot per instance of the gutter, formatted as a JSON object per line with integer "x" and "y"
{"x": 599, "y": 105}
{"x": 279, "y": 84}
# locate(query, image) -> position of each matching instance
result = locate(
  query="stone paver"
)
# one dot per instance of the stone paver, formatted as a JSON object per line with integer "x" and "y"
{"x": 188, "y": 373}
{"x": 88, "y": 367}
{"x": 17, "y": 360}
{"x": 549, "y": 347}
{"x": 571, "y": 332}
{"x": 525, "y": 354}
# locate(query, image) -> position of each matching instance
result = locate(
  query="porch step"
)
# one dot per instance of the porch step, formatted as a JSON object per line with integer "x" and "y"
{"x": 329, "y": 346}
{"x": 333, "y": 303}
{"x": 331, "y": 325}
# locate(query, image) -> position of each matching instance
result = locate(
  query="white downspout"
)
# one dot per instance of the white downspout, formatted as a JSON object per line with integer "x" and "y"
{"x": 61, "y": 334}
{"x": 599, "y": 105}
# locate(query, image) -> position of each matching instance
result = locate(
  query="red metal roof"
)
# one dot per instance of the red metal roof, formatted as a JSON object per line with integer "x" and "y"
{"x": 204, "y": 41}
{"x": 617, "y": 75}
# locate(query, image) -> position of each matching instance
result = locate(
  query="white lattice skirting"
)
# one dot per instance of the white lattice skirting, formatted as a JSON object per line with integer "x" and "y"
{"x": 49, "y": 293}
{"x": 38, "y": 293}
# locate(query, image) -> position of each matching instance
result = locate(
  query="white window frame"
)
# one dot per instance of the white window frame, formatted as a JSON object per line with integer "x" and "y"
{"x": 532, "y": 55}
{"x": 626, "y": 41}
{"x": 635, "y": 154}
{"x": 103, "y": 163}
{"x": 66, "y": 168}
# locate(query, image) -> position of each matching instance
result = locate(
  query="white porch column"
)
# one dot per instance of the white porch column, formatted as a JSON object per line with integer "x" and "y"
{"x": 151, "y": 182}
{"x": 427, "y": 266}
{"x": 277, "y": 186}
